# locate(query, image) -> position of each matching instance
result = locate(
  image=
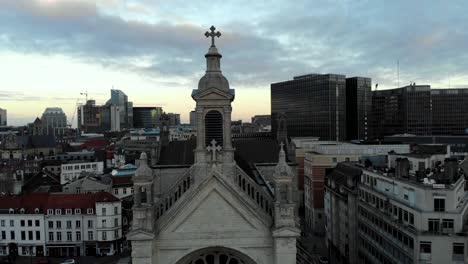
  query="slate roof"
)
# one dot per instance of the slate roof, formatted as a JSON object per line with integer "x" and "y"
{"x": 248, "y": 151}
{"x": 44, "y": 201}
{"x": 178, "y": 153}
{"x": 44, "y": 141}
{"x": 43, "y": 181}
{"x": 122, "y": 181}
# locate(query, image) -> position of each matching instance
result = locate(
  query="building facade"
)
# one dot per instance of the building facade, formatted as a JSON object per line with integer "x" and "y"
{"x": 54, "y": 121}
{"x": 401, "y": 217}
{"x": 313, "y": 104}
{"x": 405, "y": 110}
{"x": 72, "y": 171}
{"x": 449, "y": 111}
{"x": 358, "y": 108}
{"x": 147, "y": 117}
{"x": 3, "y": 117}
{"x": 60, "y": 225}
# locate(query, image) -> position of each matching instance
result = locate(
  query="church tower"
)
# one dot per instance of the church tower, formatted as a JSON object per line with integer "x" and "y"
{"x": 213, "y": 109}
{"x": 285, "y": 231}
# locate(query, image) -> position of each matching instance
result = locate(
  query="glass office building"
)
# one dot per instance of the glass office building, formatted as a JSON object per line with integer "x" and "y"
{"x": 314, "y": 105}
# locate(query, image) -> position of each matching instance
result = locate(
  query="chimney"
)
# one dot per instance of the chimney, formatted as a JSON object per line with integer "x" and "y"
{"x": 451, "y": 169}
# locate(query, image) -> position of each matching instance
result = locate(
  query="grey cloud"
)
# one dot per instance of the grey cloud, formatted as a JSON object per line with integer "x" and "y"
{"x": 352, "y": 37}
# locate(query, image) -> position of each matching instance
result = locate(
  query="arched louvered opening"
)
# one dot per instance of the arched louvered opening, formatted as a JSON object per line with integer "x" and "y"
{"x": 214, "y": 127}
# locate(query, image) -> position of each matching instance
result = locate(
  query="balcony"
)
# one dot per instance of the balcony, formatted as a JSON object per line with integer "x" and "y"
{"x": 425, "y": 256}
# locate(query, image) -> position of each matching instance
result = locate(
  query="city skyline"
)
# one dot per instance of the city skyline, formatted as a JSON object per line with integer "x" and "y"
{"x": 53, "y": 50}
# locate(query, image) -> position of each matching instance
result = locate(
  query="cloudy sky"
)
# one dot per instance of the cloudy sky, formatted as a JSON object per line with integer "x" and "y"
{"x": 53, "y": 50}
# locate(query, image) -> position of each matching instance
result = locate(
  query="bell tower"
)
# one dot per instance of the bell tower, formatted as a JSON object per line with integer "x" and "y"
{"x": 213, "y": 109}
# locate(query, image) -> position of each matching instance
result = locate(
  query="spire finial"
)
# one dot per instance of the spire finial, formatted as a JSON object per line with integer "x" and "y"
{"x": 143, "y": 158}
{"x": 282, "y": 155}
{"x": 212, "y": 34}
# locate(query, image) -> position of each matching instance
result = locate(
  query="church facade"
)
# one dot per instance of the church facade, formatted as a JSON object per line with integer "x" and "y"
{"x": 214, "y": 212}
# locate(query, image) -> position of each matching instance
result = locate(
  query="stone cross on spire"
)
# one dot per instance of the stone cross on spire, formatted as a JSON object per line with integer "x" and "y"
{"x": 212, "y": 34}
{"x": 213, "y": 148}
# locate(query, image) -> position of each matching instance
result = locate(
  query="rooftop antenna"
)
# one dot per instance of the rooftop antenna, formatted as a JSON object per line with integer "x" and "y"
{"x": 398, "y": 73}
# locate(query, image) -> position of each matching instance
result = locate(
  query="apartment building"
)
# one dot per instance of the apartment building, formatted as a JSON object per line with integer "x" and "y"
{"x": 21, "y": 227}
{"x": 392, "y": 215}
{"x": 58, "y": 224}
{"x": 71, "y": 171}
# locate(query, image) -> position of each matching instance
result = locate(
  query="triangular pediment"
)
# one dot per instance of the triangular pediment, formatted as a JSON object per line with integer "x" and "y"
{"x": 139, "y": 234}
{"x": 214, "y": 207}
{"x": 223, "y": 216}
{"x": 286, "y": 231}
{"x": 213, "y": 94}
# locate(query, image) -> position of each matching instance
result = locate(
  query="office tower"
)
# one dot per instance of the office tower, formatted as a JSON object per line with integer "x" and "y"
{"x": 146, "y": 117}
{"x": 120, "y": 100}
{"x": 358, "y": 107}
{"x": 173, "y": 119}
{"x": 93, "y": 118}
{"x": 449, "y": 111}
{"x": 54, "y": 121}
{"x": 313, "y": 105}
{"x": 3, "y": 117}
{"x": 405, "y": 110}
{"x": 193, "y": 119}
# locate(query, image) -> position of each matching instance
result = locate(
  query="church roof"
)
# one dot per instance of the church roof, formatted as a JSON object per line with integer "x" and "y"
{"x": 248, "y": 152}
{"x": 37, "y": 121}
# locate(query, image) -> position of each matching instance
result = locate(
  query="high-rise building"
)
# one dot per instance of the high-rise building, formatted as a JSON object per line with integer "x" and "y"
{"x": 358, "y": 107}
{"x": 173, "y": 119}
{"x": 3, "y": 117}
{"x": 54, "y": 121}
{"x": 146, "y": 117}
{"x": 405, "y": 110}
{"x": 125, "y": 108}
{"x": 261, "y": 120}
{"x": 93, "y": 118}
{"x": 193, "y": 119}
{"x": 313, "y": 105}
{"x": 449, "y": 111}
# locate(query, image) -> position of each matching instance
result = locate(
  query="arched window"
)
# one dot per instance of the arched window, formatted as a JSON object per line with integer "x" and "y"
{"x": 213, "y": 127}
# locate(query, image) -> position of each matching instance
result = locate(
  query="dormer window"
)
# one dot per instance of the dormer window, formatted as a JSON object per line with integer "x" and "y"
{"x": 36, "y": 211}
{"x": 77, "y": 211}
{"x": 90, "y": 211}
{"x": 50, "y": 211}
{"x": 68, "y": 211}
{"x": 11, "y": 211}
{"x": 58, "y": 211}
{"x": 22, "y": 210}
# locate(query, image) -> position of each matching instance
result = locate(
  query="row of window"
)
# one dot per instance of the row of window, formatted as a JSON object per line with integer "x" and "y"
{"x": 387, "y": 228}
{"x": 78, "y": 167}
{"x": 388, "y": 247}
{"x": 124, "y": 191}
{"x": 58, "y": 236}
{"x": 104, "y": 210}
{"x": 69, "y": 211}
{"x": 425, "y": 250}
{"x": 37, "y": 223}
{"x": 440, "y": 225}
{"x": 30, "y": 235}
{"x": 58, "y": 224}
{"x": 398, "y": 212}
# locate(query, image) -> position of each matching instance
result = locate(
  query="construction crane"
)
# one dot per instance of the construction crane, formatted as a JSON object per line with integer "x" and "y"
{"x": 85, "y": 94}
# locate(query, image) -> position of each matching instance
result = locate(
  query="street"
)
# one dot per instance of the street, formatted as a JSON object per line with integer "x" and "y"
{"x": 79, "y": 260}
